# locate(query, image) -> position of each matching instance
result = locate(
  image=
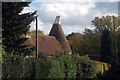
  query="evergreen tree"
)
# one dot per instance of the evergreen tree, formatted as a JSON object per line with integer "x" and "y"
{"x": 14, "y": 25}
{"x": 108, "y": 47}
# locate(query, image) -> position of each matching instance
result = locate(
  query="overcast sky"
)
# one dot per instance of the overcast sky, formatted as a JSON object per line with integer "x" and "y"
{"x": 75, "y": 16}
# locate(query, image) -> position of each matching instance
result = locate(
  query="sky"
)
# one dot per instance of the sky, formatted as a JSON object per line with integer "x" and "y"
{"x": 75, "y": 15}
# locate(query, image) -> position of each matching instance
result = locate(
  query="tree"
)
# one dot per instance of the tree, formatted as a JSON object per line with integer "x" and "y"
{"x": 92, "y": 39}
{"x": 77, "y": 44}
{"x": 108, "y": 47}
{"x": 112, "y": 23}
{"x": 109, "y": 22}
{"x": 86, "y": 43}
{"x": 39, "y": 32}
{"x": 109, "y": 28}
{"x": 14, "y": 25}
{"x": 72, "y": 34}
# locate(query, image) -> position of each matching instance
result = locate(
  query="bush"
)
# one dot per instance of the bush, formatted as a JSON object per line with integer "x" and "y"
{"x": 28, "y": 68}
{"x": 86, "y": 69}
{"x": 42, "y": 56}
{"x": 42, "y": 68}
{"x": 71, "y": 68}
{"x": 58, "y": 66}
{"x": 69, "y": 62}
{"x": 78, "y": 58}
{"x": 12, "y": 67}
{"x": 57, "y": 70}
{"x": 102, "y": 68}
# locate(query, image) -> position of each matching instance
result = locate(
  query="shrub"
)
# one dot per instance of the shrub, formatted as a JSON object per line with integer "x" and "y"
{"x": 71, "y": 68}
{"x": 57, "y": 66}
{"x": 90, "y": 69}
{"x": 57, "y": 70}
{"x": 58, "y": 55}
{"x": 12, "y": 67}
{"x": 28, "y": 67}
{"x": 69, "y": 62}
{"x": 42, "y": 68}
{"x": 101, "y": 67}
{"x": 86, "y": 69}
{"x": 42, "y": 55}
{"x": 78, "y": 58}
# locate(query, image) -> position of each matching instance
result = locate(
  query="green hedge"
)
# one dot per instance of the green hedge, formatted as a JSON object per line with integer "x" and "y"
{"x": 71, "y": 68}
{"x": 32, "y": 68}
{"x": 12, "y": 67}
{"x": 69, "y": 63}
{"x": 55, "y": 66}
{"x": 57, "y": 70}
{"x": 86, "y": 70}
{"x": 42, "y": 68}
{"x": 28, "y": 68}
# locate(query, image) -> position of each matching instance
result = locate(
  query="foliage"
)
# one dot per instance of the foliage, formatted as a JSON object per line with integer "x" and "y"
{"x": 39, "y": 32}
{"x": 57, "y": 70}
{"x": 81, "y": 67}
{"x": 105, "y": 46}
{"x": 109, "y": 22}
{"x": 71, "y": 68}
{"x": 14, "y": 25}
{"x": 17, "y": 67}
{"x": 11, "y": 67}
{"x": 86, "y": 69}
{"x": 77, "y": 43}
{"x": 69, "y": 62}
{"x": 63, "y": 66}
{"x": 42, "y": 68}
{"x": 78, "y": 58}
{"x": 111, "y": 36}
{"x": 72, "y": 34}
{"x": 87, "y": 43}
{"x": 102, "y": 67}
{"x": 92, "y": 39}
{"x": 28, "y": 67}
{"x": 42, "y": 55}
{"x": 108, "y": 47}
{"x": 117, "y": 38}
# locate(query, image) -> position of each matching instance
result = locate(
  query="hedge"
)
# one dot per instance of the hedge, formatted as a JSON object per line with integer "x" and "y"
{"x": 71, "y": 68}
{"x": 28, "y": 67}
{"x": 102, "y": 67}
{"x": 57, "y": 70}
{"x": 65, "y": 66}
{"x": 86, "y": 70}
{"x": 32, "y": 68}
{"x": 12, "y": 67}
{"x": 42, "y": 68}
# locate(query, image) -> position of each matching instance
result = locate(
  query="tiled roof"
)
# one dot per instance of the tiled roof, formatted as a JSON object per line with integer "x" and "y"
{"x": 46, "y": 44}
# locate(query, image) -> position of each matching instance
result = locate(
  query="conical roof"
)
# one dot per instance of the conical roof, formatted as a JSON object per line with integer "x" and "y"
{"x": 58, "y": 33}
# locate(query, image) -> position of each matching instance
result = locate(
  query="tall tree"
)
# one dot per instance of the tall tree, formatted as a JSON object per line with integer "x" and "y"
{"x": 109, "y": 22}
{"x": 14, "y": 25}
{"x": 92, "y": 38}
{"x": 108, "y": 47}
{"x": 112, "y": 23}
